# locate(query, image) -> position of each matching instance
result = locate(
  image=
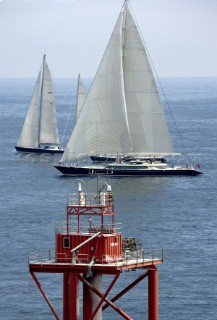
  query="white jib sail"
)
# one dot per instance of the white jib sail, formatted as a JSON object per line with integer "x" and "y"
{"x": 148, "y": 128}
{"x": 29, "y": 134}
{"x": 102, "y": 127}
{"x": 81, "y": 96}
{"x": 48, "y": 123}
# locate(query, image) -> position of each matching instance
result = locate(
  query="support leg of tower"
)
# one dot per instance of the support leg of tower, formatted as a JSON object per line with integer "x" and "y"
{"x": 70, "y": 296}
{"x": 153, "y": 293}
{"x": 90, "y": 299}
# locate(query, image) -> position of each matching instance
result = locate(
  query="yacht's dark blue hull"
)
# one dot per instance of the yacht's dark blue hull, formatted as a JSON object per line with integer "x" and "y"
{"x": 39, "y": 150}
{"x": 78, "y": 171}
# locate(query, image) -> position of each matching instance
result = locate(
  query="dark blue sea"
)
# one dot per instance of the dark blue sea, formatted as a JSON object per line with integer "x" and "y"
{"x": 178, "y": 214}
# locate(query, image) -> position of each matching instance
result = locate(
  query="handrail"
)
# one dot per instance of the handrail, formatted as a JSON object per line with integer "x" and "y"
{"x": 61, "y": 227}
{"x": 127, "y": 256}
{"x": 89, "y": 199}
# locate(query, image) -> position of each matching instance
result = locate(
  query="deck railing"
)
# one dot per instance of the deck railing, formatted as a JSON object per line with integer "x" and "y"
{"x": 89, "y": 199}
{"x": 42, "y": 256}
{"x": 61, "y": 227}
{"x": 138, "y": 256}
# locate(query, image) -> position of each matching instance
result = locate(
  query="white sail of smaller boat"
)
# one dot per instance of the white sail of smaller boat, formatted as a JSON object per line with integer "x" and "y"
{"x": 81, "y": 97}
{"x": 40, "y": 133}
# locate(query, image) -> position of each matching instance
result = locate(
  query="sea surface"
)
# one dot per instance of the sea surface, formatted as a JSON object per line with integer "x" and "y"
{"x": 178, "y": 214}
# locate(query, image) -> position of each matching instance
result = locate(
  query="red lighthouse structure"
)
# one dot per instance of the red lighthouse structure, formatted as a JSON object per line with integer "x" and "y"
{"x": 86, "y": 251}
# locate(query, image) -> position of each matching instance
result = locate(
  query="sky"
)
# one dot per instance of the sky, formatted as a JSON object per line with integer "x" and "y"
{"x": 181, "y": 35}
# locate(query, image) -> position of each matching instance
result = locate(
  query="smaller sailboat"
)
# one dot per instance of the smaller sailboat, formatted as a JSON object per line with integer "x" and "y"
{"x": 40, "y": 133}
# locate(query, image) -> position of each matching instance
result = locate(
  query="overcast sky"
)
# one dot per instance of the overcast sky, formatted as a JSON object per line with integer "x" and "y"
{"x": 181, "y": 35}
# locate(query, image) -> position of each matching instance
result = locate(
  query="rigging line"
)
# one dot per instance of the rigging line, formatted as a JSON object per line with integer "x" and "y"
{"x": 69, "y": 113}
{"x": 161, "y": 87}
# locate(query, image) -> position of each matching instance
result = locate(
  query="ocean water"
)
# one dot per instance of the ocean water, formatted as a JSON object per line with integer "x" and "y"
{"x": 178, "y": 214}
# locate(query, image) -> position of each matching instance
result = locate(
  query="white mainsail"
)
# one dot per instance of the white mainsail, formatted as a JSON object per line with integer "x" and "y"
{"x": 122, "y": 112}
{"x": 81, "y": 96}
{"x": 48, "y": 132}
{"x": 148, "y": 128}
{"x": 29, "y": 133}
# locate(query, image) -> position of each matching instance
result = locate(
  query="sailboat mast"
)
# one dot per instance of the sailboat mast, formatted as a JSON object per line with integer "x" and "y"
{"x": 41, "y": 98}
{"x": 122, "y": 39}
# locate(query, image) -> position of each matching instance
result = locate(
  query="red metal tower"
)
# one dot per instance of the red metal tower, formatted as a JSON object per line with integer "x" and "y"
{"x": 86, "y": 251}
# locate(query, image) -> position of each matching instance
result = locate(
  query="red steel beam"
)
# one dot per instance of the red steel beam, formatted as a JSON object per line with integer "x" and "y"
{"x": 44, "y": 295}
{"x": 104, "y": 296}
{"x": 120, "y": 294}
{"x": 117, "y": 309}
